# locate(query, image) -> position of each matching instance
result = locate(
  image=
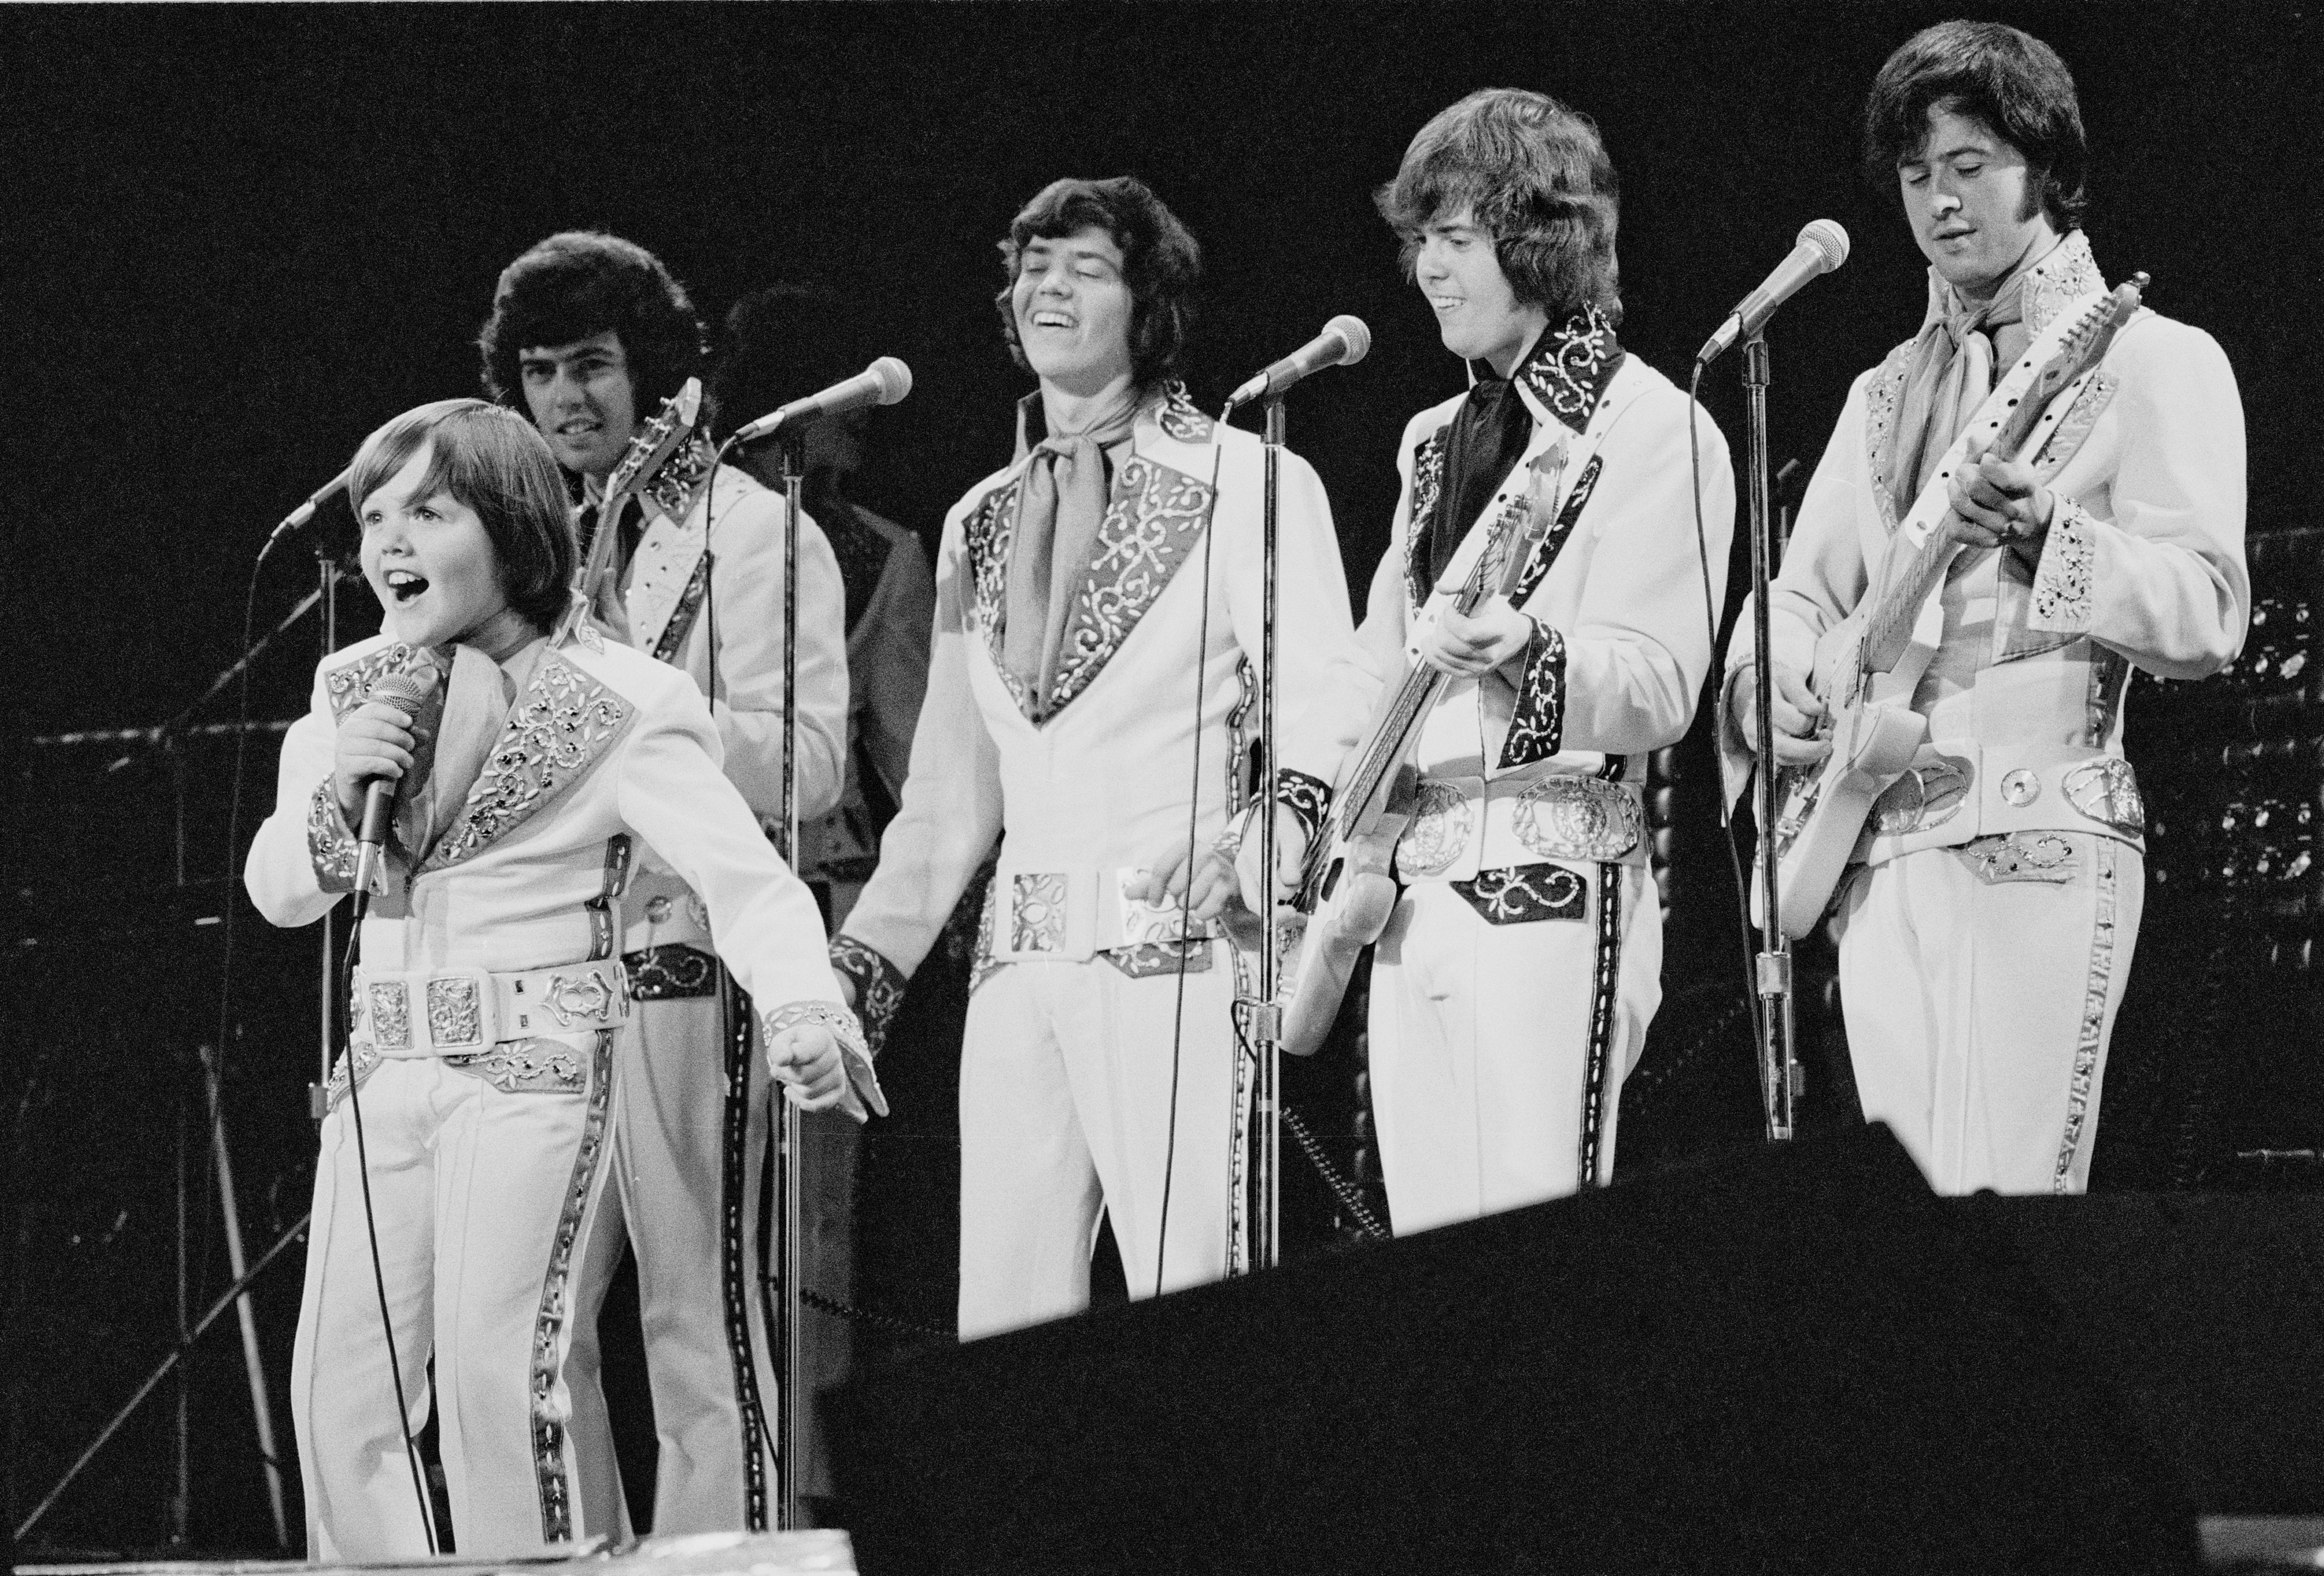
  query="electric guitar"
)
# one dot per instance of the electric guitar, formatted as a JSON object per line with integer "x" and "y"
{"x": 1869, "y": 665}
{"x": 650, "y": 453}
{"x": 1347, "y": 887}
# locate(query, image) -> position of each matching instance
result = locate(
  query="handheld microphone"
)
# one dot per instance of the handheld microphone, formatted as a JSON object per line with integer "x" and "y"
{"x": 1343, "y": 342}
{"x": 405, "y": 691}
{"x": 298, "y": 518}
{"x": 1821, "y": 247}
{"x": 883, "y": 382}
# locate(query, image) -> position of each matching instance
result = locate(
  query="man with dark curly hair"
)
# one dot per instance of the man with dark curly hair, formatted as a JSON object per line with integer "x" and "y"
{"x": 1097, "y": 602}
{"x": 1986, "y": 927}
{"x": 1521, "y": 962}
{"x": 589, "y": 334}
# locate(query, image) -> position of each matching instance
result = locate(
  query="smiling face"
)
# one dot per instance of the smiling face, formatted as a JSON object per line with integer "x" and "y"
{"x": 581, "y": 398}
{"x": 432, "y": 567}
{"x": 1073, "y": 311}
{"x": 1478, "y": 313}
{"x": 1973, "y": 204}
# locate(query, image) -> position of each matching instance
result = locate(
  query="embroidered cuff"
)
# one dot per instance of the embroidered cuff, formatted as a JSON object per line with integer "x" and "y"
{"x": 853, "y": 1052}
{"x": 330, "y": 844}
{"x": 1306, "y": 798}
{"x": 2064, "y": 582}
{"x": 1537, "y": 727}
{"x": 879, "y": 988}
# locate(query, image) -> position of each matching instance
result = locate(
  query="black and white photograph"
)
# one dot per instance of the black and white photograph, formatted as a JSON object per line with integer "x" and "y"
{"x": 1156, "y": 785}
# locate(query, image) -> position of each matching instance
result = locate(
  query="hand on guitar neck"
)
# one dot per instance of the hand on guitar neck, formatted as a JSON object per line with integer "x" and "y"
{"x": 1470, "y": 645}
{"x": 2000, "y": 503}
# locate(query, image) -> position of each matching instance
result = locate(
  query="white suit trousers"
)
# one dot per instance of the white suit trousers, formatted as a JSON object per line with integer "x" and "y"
{"x": 1978, "y": 1013}
{"x": 1484, "y": 1039}
{"x": 1066, "y": 1078}
{"x": 486, "y": 1202}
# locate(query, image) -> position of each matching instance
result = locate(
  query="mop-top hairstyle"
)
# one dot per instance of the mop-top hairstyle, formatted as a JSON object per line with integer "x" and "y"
{"x": 492, "y": 460}
{"x": 1535, "y": 176}
{"x": 2010, "y": 81}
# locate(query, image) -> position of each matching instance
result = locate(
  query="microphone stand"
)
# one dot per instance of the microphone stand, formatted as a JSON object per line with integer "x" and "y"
{"x": 1778, "y": 1054}
{"x": 319, "y": 1102}
{"x": 787, "y": 1341}
{"x": 1264, "y": 1014}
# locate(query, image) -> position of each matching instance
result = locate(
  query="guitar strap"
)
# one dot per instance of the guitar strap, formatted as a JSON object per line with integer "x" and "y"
{"x": 1929, "y": 510}
{"x": 1583, "y": 468}
{"x": 668, "y": 572}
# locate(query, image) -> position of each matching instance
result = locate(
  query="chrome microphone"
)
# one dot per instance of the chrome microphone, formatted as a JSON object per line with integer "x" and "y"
{"x": 406, "y": 692}
{"x": 1822, "y": 246}
{"x": 1343, "y": 342}
{"x": 298, "y": 517}
{"x": 883, "y": 382}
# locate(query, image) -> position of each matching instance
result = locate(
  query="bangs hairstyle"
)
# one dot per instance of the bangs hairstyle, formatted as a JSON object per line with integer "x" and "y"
{"x": 491, "y": 459}
{"x": 1160, "y": 262}
{"x": 2009, "y": 80}
{"x": 583, "y": 282}
{"x": 1535, "y": 177}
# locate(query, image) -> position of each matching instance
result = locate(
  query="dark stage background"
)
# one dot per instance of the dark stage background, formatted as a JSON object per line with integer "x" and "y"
{"x": 238, "y": 239}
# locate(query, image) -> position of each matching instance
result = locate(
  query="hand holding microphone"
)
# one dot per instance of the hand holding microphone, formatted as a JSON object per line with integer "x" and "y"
{"x": 376, "y": 747}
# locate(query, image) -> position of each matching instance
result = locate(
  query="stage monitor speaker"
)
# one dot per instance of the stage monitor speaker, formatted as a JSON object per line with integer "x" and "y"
{"x": 1799, "y": 1360}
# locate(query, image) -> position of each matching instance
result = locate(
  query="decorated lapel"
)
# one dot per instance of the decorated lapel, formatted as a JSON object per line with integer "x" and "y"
{"x": 1154, "y": 518}
{"x": 349, "y": 685}
{"x": 563, "y": 721}
{"x": 1568, "y": 371}
{"x": 986, "y": 535}
{"x": 1565, "y": 379}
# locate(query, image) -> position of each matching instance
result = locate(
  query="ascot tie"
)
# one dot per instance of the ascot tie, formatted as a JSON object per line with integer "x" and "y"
{"x": 1064, "y": 496}
{"x": 1951, "y": 372}
{"x": 463, "y": 720}
{"x": 1489, "y": 436}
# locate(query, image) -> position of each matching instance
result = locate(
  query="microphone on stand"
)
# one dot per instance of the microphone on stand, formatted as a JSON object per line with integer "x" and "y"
{"x": 883, "y": 382}
{"x": 1823, "y": 246}
{"x": 1343, "y": 342}
{"x": 298, "y": 518}
{"x": 406, "y": 692}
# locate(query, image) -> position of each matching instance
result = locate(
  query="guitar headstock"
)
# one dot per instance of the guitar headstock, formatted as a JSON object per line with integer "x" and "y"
{"x": 2086, "y": 343}
{"x": 656, "y": 441}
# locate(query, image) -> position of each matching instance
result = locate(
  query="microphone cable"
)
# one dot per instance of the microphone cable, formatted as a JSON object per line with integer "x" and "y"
{"x": 1186, "y": 898}
{"x": 371, "y": 1230}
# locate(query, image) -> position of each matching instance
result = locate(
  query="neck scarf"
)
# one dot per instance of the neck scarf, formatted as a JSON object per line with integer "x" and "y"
{"x": 1954, "y": 361}
{"x": 1063, "y": 505}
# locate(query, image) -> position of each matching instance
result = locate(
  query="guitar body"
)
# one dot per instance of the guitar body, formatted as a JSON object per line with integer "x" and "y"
{"x": 1354, "y": 900}
{"x": 1820, "y": 809}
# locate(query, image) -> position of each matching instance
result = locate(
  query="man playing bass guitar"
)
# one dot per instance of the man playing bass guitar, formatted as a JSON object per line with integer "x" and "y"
{"x": 1521, "y": 962}
{"x": 1985, "y": 930}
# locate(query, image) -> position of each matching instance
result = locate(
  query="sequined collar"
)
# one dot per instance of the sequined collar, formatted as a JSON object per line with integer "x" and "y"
{"x": 1566, "y": 371}
{"x": 2066, "y": 273}
{"x": 1169, "y": 407}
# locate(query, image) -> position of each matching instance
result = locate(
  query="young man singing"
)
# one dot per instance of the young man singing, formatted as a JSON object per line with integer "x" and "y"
{"x": 1095, "y": 601}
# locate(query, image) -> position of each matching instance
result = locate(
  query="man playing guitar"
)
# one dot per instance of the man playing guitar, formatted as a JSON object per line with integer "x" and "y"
{"x": 1521, "y": 962}
{"x": 1985, "y": 932}
{"x": 589, "y": 336}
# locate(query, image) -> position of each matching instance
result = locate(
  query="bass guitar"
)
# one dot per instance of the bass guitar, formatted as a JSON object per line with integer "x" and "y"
{"x": 1869, "y": 665}
{"x": 1347, "y": 886}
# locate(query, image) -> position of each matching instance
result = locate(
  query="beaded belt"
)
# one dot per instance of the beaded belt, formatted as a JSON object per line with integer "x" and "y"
{"x": 431, "y": 1012}
{"x": 671, "y": 971}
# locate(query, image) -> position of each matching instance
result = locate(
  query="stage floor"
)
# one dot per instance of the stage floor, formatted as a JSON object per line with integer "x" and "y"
{"x": 774, "y": 1553}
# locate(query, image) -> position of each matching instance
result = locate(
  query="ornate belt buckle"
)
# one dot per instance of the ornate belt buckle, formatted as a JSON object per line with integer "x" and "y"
{"x": 455, "y": 1011}
{"x": 1578, "y": 817}
{"x": 1037, "y": 911}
